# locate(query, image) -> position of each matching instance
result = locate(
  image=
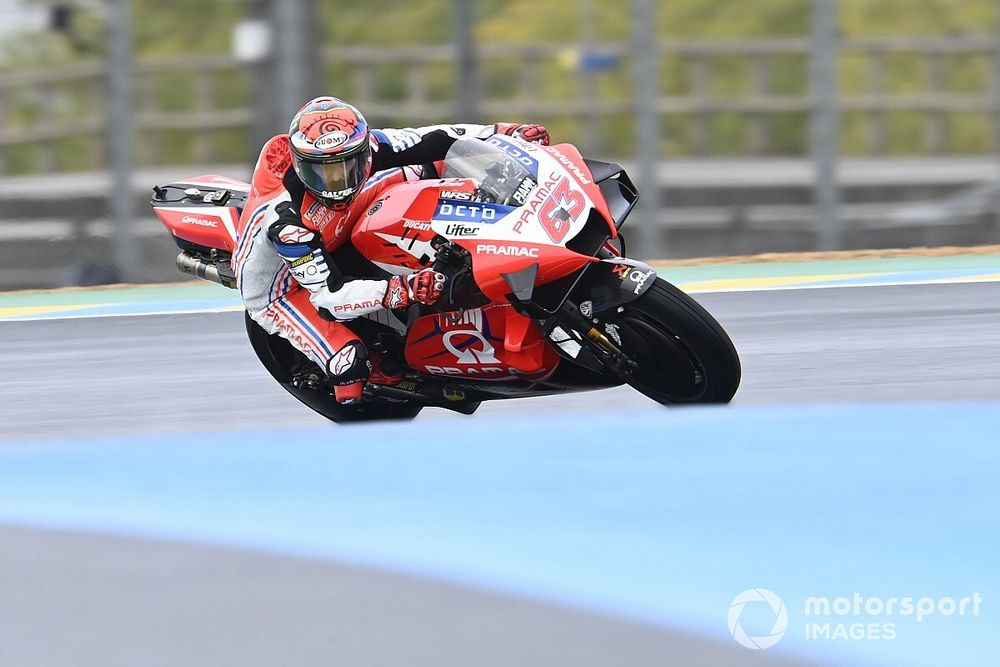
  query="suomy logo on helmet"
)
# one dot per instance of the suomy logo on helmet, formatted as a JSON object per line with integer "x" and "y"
{"x": 317, "y": 124}
{"x": 331, "y": 140}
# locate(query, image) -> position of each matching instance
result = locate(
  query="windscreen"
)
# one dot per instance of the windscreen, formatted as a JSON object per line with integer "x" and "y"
{"x": 501, "y": 179}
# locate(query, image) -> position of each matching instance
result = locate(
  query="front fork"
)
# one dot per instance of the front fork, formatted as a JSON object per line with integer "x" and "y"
{"x": 593, "y": 309}
{"x": 599, "y": 345}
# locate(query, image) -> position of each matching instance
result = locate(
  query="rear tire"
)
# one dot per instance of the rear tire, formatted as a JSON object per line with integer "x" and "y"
{"x": 277, "y": 355}
{"x": 684, "y": 354}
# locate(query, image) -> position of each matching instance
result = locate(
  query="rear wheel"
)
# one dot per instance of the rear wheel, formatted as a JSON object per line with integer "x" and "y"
{"x": 682, "y": 354}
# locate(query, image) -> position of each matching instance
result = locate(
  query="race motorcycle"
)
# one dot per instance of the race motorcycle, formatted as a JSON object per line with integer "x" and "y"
{"x": 540, "y": 297}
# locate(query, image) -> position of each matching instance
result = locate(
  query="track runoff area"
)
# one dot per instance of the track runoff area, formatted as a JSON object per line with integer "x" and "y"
{"x": 841, "y": 511}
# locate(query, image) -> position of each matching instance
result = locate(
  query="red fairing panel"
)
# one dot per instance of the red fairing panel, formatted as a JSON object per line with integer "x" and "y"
{"x": 396, "y": 229}
{"x": 489, "y": 343}
{"x": 211, "y": 226}
{"x": 490, "y": 259}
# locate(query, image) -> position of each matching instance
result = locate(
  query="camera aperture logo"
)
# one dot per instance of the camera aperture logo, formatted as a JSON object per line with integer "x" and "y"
{"x": 757, "y": 642}
{"x": 855, "y": 617}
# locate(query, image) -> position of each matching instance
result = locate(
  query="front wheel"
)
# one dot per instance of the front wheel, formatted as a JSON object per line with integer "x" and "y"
{"x": 681, "y": 353}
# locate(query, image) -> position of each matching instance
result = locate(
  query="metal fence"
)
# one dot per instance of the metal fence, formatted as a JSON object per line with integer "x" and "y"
{"x": 207, "y": 101}
{"x": 806, "y": 98}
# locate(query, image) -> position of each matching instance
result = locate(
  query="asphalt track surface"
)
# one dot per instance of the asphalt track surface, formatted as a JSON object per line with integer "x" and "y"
{"x": 74, "y": 599}
{"x": 126, "y": 375}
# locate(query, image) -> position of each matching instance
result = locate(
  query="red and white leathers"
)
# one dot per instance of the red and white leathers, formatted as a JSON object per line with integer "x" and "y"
{"x": 286, "y": 295}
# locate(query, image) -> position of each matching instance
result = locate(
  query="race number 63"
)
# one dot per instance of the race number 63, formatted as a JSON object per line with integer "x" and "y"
{"x": 562, "y": 207}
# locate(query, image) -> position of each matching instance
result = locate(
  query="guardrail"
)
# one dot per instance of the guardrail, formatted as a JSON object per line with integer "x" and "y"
{"x": 55, "y": 230}
{"x": 199, "y": 109}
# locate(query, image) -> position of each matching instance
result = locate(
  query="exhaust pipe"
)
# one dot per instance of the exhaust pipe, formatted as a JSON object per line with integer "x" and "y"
{"x": 195, "y": 266}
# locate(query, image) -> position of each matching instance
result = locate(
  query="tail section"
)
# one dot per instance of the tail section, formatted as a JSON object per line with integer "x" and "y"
{"x": 202, "y": 211}
{"x": 202, "y": 215}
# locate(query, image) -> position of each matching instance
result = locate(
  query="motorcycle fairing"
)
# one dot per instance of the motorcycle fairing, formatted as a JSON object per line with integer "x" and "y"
{"x": 490, "y": 260}
{"x": 489, "y": 343}
{"x": 616, "y": 281}
{"x": 202, "y": 210}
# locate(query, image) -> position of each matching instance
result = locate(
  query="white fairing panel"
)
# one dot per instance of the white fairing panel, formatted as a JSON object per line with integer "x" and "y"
{"x": 555, "y": 209}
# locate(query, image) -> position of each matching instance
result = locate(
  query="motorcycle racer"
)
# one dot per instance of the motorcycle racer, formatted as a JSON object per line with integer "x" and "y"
{"x": 296, "y": 270}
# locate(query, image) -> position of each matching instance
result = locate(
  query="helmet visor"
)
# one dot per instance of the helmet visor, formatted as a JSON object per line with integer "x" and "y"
{"x": 337, "y": 179}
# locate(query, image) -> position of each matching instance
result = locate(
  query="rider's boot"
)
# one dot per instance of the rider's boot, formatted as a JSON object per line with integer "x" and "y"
{"x": 349, "y": 370}
{"x": 386, "y": 370}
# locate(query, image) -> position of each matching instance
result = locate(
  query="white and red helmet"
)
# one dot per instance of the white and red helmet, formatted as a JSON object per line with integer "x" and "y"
{"x": 331, "y": 150}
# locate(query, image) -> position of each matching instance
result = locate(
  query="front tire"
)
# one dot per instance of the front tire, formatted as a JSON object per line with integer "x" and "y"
{"x": 683, "y": 354}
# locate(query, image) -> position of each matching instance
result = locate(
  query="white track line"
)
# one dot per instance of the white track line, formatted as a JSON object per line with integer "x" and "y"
{"x": 775, "y": 288}
{"x": 95, "y": 316}
{"x": 780, "y": 288}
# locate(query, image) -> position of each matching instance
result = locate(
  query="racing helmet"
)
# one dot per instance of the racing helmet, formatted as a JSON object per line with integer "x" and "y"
{"x": 331, "y": 150}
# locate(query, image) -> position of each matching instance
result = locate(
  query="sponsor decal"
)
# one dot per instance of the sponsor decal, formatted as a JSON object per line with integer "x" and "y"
{"x": 453, "y": 394}
{"x": 519, "y": 154}
{"x": 506, "y": 250}
{"x": 331, "y": 140}
{"x": 415, "y": 224}
{"x": 456, "y": 194}
{"x": 541, "y": 194}
{"x": 565, "y": 342}
{"x": 621, "y": 270}
{"x": 451, "y": 370}
{"x": 458, "y": 229}
{"x": 287, "y": 330}
{"x": 523, "y": 190}
{"x": 396, "y": 298}
{"x": 342, "y": 363}
{"x": 357, "y": 305}
{"x": 480, "y": 212}
{"x": 201, "y": 222}
{"x": 320, "y": 216}
{"x": 308, "y": 271}
{"x": 470, "y": 371}
{"x": 612, "y": 330}
{"x": 556, "y": 204}
{"x": 399, "y": 139}
{"x": 375, "y": 207}
{"x": 408, "y": 385}
{"x": 478, "y": 351}
{"x": 217, "y": 197}
{"x": 570, "y": 165}
{"x": 587, "y": 308}
{"x": 302, "y": 260}
{"x": 339, "y": 194}
{"x": 640, "y": 278}
{"x": 295, "y": 234}
{"x": 469, "y": 342}
{"x": 561, "y": 208}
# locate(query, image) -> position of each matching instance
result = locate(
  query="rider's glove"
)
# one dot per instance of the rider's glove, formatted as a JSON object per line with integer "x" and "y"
{"x": 536, "y": 134}
{"x": 301, "y": 247}
{"x": 424, "y": 286}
